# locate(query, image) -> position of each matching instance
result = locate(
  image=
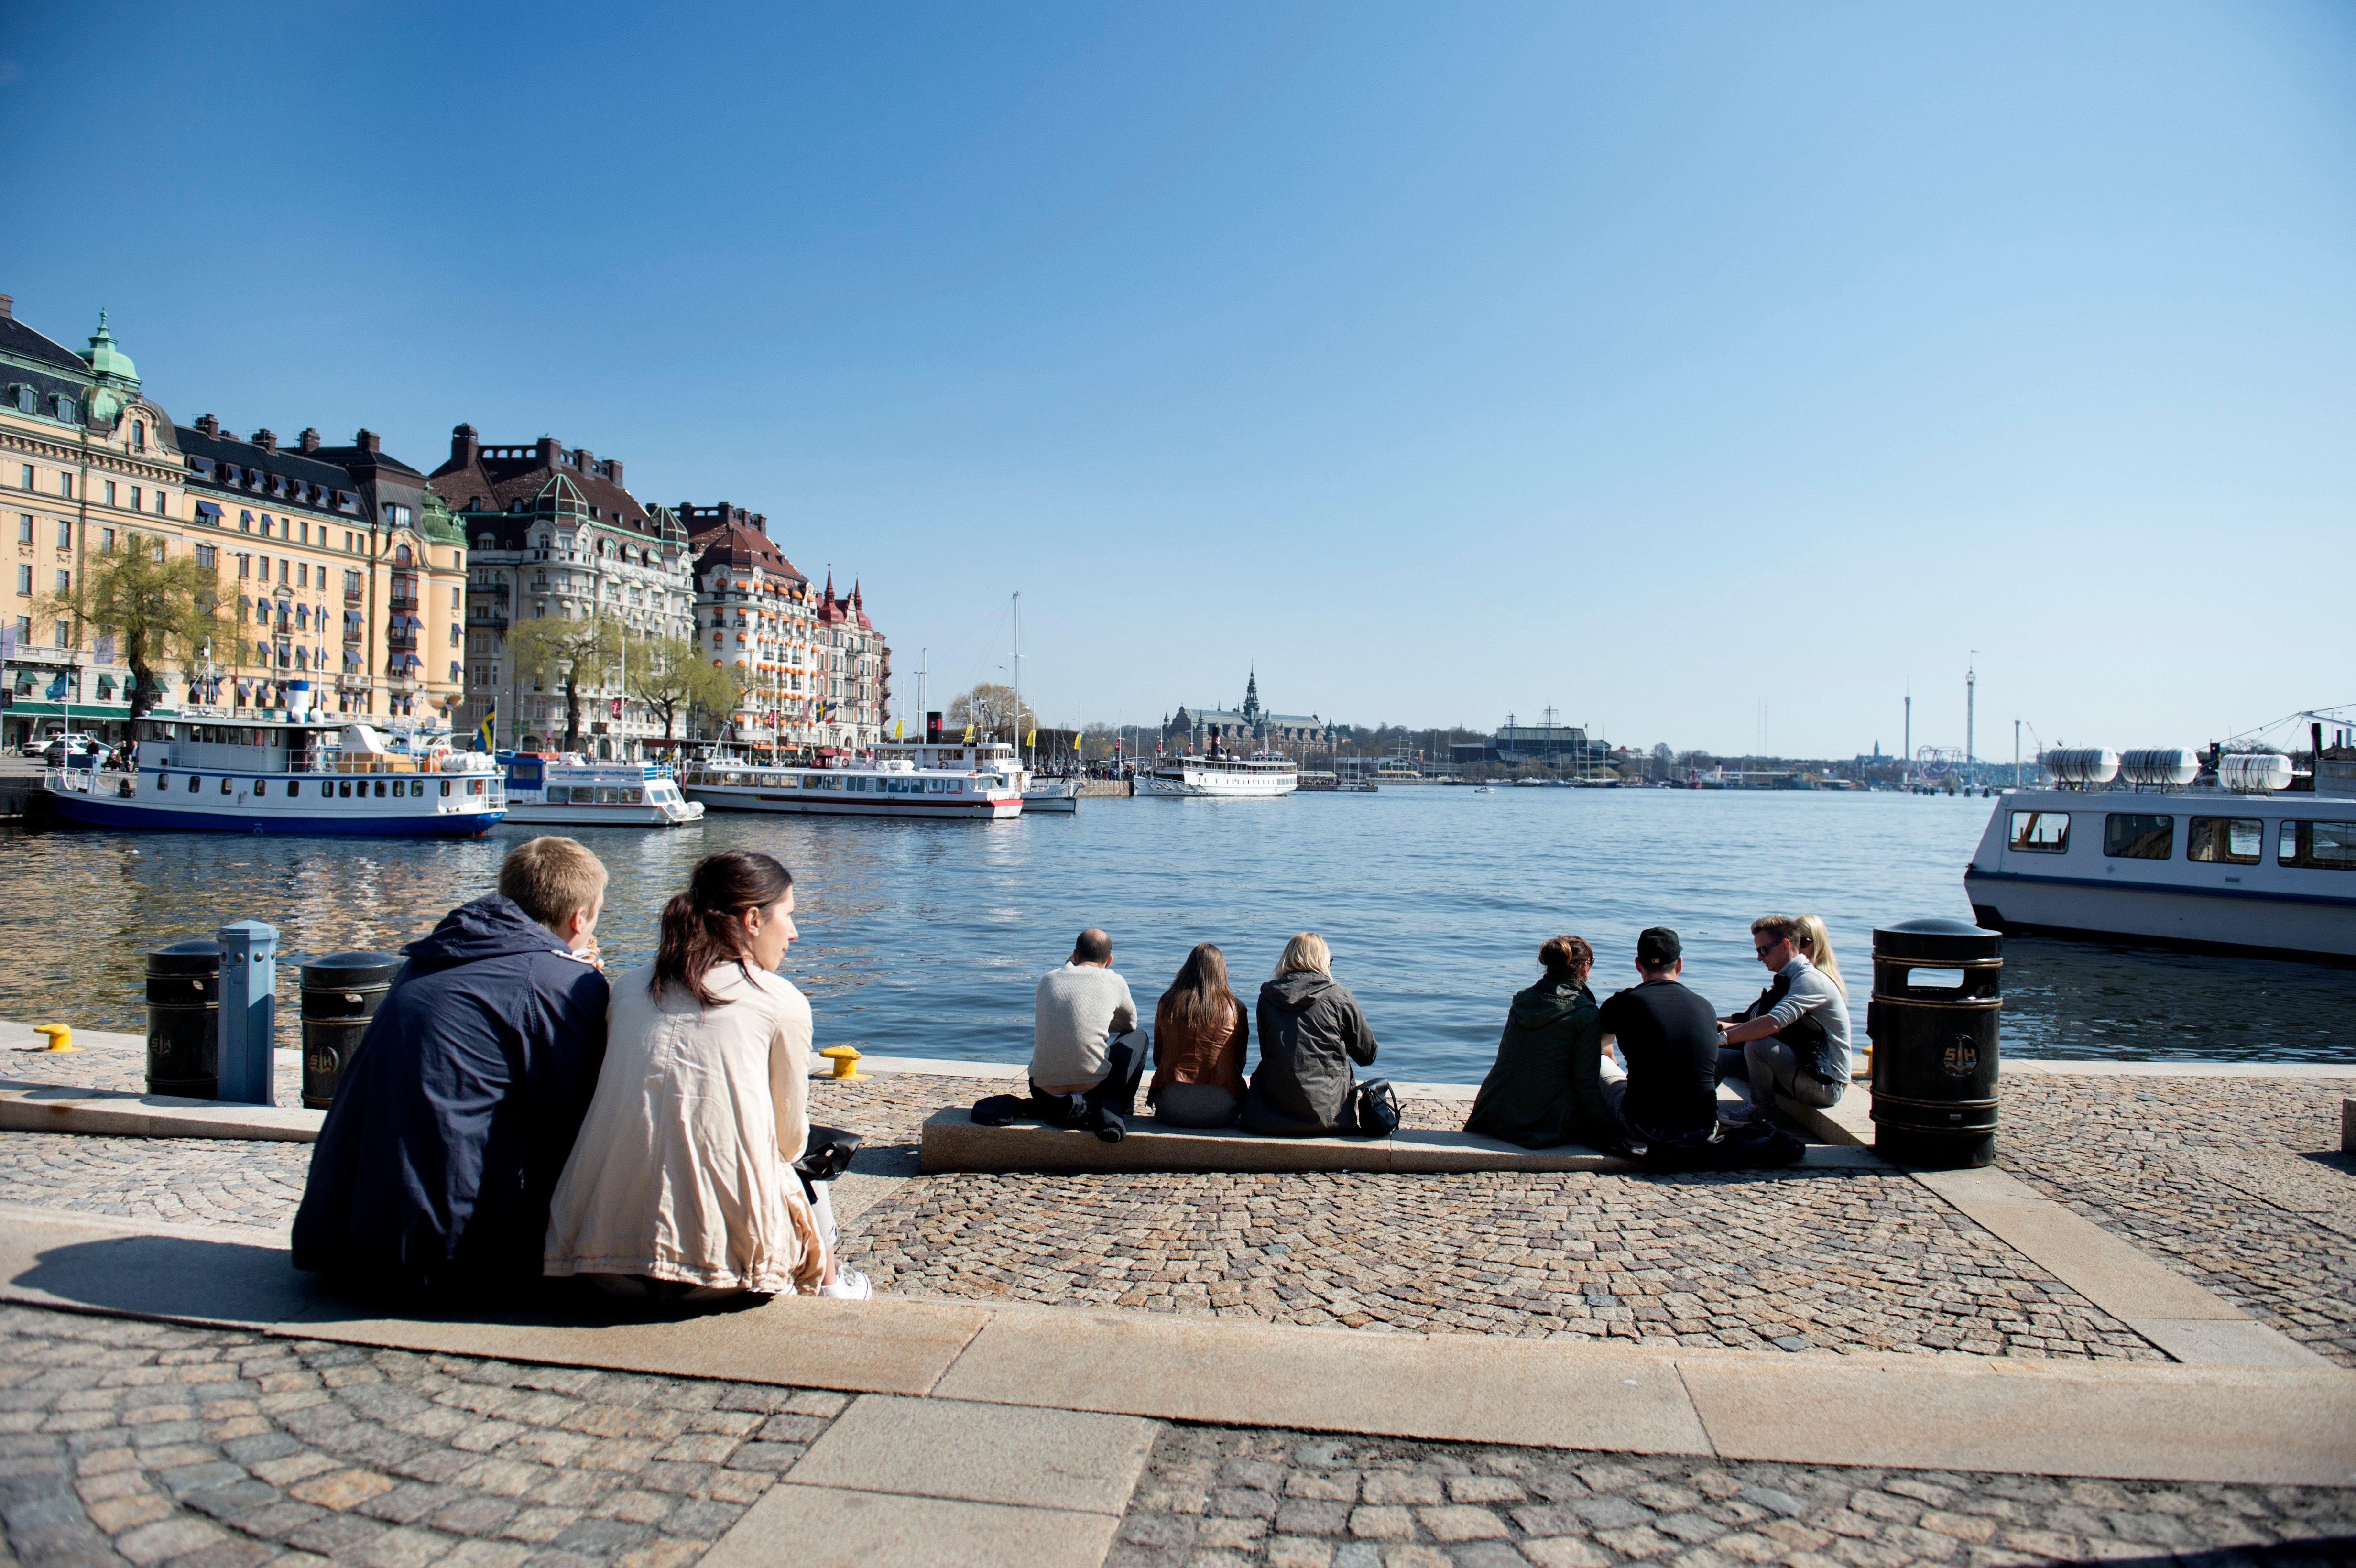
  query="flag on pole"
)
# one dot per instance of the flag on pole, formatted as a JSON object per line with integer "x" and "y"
{"x": 488, "y": 733}
{"x": 899, "y": 727}
{"x": 968, "y": 732}
{"x": 1035, "y": 736}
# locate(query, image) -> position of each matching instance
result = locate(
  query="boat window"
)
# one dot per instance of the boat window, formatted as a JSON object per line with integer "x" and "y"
{"x": 2318, "y": 846}
{"x": 445, "y": 786}
{"x": 560, "y": 795}
{"x": 225, "y": 788}
{"x": 293, "y": 788}
{"x": 2139, "y": 836}
{"x": 2041, "y": 832}
{"x": 163, "y": 781}
{"x": 379, "y": 789}
{"x": 2230, "y": 840}
{"x": 194, "y": 783}
{"x": 475, "y": 787}
{"x": 344, "y": 788}
{"x": 606, "y": 796}
{"x": 633, "y": 797}
{"x": 260, "y": 788}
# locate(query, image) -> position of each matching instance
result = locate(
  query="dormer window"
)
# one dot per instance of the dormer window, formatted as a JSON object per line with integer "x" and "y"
{"x": 138, "y": 435}
{"x": 65, "y": 407}
{"x": 29, "y": 401}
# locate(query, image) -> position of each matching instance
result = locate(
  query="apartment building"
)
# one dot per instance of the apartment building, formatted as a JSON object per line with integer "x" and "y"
{"x": 753, "y": 610}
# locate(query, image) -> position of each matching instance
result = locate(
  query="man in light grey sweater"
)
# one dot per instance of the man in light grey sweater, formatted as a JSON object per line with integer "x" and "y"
{"x": 1087, "y": 1052}
{"x": 1794, "y": 1038}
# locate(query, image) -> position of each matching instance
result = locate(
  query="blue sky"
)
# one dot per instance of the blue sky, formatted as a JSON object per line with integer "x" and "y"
{"x": 1673, "y": 365}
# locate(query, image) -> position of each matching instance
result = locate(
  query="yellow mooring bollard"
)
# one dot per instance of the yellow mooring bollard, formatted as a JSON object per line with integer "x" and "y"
{"x": 846, "y": 1064}
{"x": 60, "y": 1036}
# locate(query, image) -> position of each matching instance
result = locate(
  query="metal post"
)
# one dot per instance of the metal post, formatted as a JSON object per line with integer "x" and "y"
{"x": 248, "y": 1012}
{"x": 2015, "y": 753}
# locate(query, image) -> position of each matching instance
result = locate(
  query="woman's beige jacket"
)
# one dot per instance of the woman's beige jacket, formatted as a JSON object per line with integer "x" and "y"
{"x": 683, "y": 1170}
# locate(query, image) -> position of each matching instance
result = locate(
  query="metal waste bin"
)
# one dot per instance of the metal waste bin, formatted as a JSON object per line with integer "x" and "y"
{"x": 340, "y": 994}
{"x": 1933, "y": 1020}
{"x": 184, "y": 1019}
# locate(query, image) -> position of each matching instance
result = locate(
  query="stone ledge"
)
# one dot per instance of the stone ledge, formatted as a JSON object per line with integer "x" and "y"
{"x": 952, "y": 1142}
{"x": 50, "y": 1108}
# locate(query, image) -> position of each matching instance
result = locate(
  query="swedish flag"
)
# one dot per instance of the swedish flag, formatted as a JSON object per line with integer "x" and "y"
{"x": 488, "y": 733}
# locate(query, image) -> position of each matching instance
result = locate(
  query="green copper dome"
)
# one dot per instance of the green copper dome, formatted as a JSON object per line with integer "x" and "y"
{"x": 105, "y": 358}
{"x": 435, "y": 521}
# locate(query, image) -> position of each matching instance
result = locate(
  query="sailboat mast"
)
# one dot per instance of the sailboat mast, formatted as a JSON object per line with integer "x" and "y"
{"x": 1018, "y": 676}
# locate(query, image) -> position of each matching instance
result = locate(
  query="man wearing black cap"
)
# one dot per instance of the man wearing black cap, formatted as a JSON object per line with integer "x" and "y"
{"x": 1668, "y": 1037}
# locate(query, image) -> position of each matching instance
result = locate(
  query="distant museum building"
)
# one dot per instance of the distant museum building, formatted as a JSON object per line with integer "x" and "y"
{"x": 1249, "y": 728}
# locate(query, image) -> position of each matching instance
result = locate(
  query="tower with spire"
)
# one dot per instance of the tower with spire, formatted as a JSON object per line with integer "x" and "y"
{"x": 1251, "y": 699}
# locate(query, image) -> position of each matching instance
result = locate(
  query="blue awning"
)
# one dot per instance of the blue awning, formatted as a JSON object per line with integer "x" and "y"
{"x": 209, "y": 509}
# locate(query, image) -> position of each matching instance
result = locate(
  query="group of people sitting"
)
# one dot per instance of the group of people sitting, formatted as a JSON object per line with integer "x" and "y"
{"x": 512, "y": 1114}
{"x": 1639, "y": 1070}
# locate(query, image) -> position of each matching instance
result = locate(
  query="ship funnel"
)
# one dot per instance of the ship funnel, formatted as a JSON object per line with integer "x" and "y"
{"x": 2160, "y": 767}
{"x": 2077, "y": 767}
{"x": 2254, "y": 773}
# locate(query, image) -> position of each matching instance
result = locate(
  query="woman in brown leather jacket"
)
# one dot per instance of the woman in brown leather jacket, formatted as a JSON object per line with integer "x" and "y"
{"x": 1200, "y": 1031}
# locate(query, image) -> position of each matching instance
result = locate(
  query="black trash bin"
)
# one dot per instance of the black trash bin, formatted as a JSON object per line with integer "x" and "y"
{"x": 184, "y": 1019}
{"x": 1934, "y": 1042}
{"x": 340, "y": 994}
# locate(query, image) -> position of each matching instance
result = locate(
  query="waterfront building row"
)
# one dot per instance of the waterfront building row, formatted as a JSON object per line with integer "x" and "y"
{"x": 350, "y": 582}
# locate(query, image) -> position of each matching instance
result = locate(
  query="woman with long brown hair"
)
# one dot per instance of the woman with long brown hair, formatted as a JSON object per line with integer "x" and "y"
{"x": 1200, "y": 1031}
{"x": 680, "y": 1187}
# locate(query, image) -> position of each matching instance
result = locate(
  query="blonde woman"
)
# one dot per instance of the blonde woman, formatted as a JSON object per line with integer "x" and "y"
{"x": 1817, "y": 943}
{"x": 1311, "y": 1029}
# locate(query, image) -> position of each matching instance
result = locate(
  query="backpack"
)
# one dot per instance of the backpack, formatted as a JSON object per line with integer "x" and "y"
{"x": 1377, "y": 1108}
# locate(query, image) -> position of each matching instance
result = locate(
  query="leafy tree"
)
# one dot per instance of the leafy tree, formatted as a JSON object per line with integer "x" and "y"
{"x": 990, "y": 709}
{"x": 160, "y": 608}
{"x": 669, "y": 674}
{"x": 552, "y": 650}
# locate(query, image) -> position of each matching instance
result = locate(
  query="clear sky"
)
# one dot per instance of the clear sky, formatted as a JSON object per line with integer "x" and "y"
{"x": 1699, "y": 369}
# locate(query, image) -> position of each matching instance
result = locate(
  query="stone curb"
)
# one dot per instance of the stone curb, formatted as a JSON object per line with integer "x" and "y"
{"x": 48, "y": 1108}
{"x": 2227, "y": 1424}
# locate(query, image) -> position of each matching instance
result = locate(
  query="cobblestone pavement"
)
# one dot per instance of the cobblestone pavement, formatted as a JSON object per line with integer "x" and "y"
{"x": 1843, "y": 1260}
{"x": 2235, "y": 1182}
{"x": 119, "y": 1062}
{"x": 135, "y": 1443}
{"x": 1215, "y": 1498}
{"x": 196, "y": 1181}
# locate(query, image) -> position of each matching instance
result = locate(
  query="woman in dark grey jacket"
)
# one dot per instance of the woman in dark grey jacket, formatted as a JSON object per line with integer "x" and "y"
{"x": 1310, "y": 1031}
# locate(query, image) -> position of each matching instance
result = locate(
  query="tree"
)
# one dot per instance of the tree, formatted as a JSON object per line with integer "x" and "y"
{"x": 667, "y": 674}
{"x": 160, "y": 608}
{"x": 990, "y": 709}
{"x": 549, "y": 649}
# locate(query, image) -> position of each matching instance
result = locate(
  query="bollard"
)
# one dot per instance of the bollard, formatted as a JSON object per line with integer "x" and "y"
{"x": 1935, "y": 1059}
{"x": 248, "y": 1013}
{"x": 184, "y": 1019}
{"x": 340, "y": 994}
{"x": 60, "y": 1036}
{"x": 846, "y": 1063}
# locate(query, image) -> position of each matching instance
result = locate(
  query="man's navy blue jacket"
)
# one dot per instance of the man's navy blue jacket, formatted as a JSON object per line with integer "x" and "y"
{"x": 454, "y": 1118}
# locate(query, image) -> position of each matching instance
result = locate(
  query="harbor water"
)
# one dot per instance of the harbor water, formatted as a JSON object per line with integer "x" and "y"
{"x": 926, "y": 938}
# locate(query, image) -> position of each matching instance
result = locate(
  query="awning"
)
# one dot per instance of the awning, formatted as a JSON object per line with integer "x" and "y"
{"x": 354, "y": 618}
{"x": 209, "y": 509}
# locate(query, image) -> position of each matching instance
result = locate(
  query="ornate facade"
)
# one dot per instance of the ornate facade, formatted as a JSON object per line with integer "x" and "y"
{"x": 855, "y": 671}
{"x": 1249, "y": 728}
{"x": 755, "y": 612}
{"x": 551, "y": 531}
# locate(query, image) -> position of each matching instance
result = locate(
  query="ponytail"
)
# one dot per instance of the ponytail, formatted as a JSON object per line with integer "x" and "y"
{"x": 703, "y": 927}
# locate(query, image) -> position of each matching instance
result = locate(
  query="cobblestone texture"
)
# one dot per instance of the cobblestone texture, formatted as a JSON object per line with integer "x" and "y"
{"x": 206, "y": 1181}
{"x": 2236, "y": 1182}
{"x": 135, "y": 1443}
{"x": 119, "y": 1062}
{"x": 1215, "y": 1498}
{"x": 1841, "y": 1260}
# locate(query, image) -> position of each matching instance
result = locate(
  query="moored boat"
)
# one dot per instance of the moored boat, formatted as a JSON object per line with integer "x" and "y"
{"x": 889, "y": 788}
{"x": 1219, "y": 778}
{"x": 254, "y": 775}
{"x": 2129, "y": 849}
{"x": 571, "y": 792}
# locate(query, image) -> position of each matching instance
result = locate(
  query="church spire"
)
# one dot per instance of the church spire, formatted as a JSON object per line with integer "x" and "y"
{"x": 1251, "y": 696}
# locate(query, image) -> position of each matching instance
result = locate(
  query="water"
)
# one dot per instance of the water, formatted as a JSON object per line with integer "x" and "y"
{"x": 925, "y": 938}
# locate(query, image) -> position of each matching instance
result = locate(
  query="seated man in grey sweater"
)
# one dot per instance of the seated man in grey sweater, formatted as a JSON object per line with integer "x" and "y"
{"x": 1087, "y": 1052}
{"x": 1794, "y": 1038}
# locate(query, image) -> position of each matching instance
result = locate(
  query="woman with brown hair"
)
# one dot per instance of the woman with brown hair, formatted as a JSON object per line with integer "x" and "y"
{"x": 1546, "y": 1087}
{"x": 682, "y": 1187}
{"x": 1200, "y": 1031}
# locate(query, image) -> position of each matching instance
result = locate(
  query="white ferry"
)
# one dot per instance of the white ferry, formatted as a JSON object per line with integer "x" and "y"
{"x": 568, "y": 791}
{"x": 988, "y": 756}
{"x": 1191, "y": 777}
{"x": 894, "y": 788}
{"x": 2127, "y": 850}
{"x": 234, "y": 774}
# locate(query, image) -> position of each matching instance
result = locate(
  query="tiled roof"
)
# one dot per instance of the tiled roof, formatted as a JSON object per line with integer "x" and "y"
{"x": 494, "y": 484}
{"x": 23, "y": 342}
{"x": 284, "y": 461}
{"x": 739, "y": 545}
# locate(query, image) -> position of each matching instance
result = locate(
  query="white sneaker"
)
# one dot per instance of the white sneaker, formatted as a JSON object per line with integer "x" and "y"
{"x": 850, "y": 1284}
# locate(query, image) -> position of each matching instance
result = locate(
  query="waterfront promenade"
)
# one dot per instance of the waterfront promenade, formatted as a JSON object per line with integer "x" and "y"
{"x": 1844, "y": 1364}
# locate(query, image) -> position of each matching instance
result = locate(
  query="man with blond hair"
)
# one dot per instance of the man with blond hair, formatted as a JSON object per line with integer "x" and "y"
{"x": 454, "y": 1117}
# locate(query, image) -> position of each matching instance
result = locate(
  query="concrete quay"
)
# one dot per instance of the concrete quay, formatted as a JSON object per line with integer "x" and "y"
{"x": 2131, "y": 1338}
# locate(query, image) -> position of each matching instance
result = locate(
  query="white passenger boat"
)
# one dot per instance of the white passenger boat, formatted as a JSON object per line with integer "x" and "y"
{"x": 1191, "y": 777}
{"x": 569, "y": 790}
{"x": 893, "y": 787}
{"x": 986, "y": 756}
{"x": 2127, "y": 849}
{"x": 236, "y": 774}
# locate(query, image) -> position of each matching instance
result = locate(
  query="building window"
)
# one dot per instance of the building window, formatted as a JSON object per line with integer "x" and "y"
{"x": 65, "y": 486}
{"x": 25, "y": 480}
{"x": 160, "y": 505}
{"x": 205, "y": 555}
{"x": 401, "y": 552}
{"x": 65, "y": 635}
{"x": 65, "y": 533}
{"x": 138, "y": 436}
{"x": 106, "y": 541}
{"x": 110, "y": 492}
{"x": 25, "y": 581}
{"x": 65, "y": 407}
{"x": 65, "y": 582}
{"x": 24, "y": 528}
{"x": 395, "y": 517}
{"x": 302, "y": 574}
{"x": 245, "y": 566}
{"x": 137, "y": 503}
{"x": 352, "y": 583}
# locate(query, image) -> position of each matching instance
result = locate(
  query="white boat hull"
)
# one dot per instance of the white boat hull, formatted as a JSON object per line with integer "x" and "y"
{"x": 542, "y": 815}
{"x": 1061, "y": 794}
{"x": 1223, "y": 789}
{"x": 725, "y": 797}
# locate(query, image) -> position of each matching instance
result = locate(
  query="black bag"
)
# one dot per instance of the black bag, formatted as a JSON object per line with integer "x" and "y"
{"x": 999, "y": 1110}
{"x": 827, "y": 1153}
{"x": 1377, "y": 1108}
{"x": 1752, "y": 1145}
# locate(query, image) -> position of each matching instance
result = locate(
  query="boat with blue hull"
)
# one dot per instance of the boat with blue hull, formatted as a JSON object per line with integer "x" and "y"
{"x": 286, "y": 775}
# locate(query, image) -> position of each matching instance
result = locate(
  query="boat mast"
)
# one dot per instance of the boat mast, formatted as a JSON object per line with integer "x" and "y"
{"x": 1018, "y": 681}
